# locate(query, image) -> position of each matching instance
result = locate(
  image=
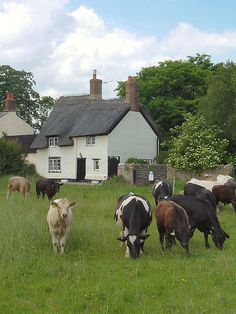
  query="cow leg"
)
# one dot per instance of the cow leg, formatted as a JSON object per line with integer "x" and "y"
{"x": 142, "y": 241}
{"x": 63, "y": 243}
{"x": 55, "y": 242}
{"x": 121, "y": 235}
{"x": 207, "y": 245}
{"x": 127, "y": 252}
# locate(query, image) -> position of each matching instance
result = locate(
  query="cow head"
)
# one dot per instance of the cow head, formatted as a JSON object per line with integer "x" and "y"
{"x": 63, "y": 206}
{"x": 134, "y": 243}
{"x": 219, "y": 238}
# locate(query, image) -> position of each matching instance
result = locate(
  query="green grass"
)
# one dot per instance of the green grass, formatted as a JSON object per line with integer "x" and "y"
{"x": 94, "y": 276}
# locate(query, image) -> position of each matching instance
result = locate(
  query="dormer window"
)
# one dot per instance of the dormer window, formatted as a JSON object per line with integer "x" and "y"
{"x": 90, "y": 140}
{"x": 53, "y": 141}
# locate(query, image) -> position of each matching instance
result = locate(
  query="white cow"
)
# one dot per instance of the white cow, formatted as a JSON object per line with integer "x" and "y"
{"x": 59, "y": 219}
{"x": 220, "y": 180}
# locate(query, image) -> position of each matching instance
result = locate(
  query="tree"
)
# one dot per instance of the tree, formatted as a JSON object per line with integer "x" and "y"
{"x": 198, "y": 146}
{"x": 173, "y": 88}
{"x": 11, "y": 156}
{"x": 219, "y": 105}
{"x": 30, "y": 107}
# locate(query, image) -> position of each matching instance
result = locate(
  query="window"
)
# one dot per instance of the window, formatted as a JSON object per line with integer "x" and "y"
{"x": 53, "y": 141}
{"x": 54, "y": 164}
{"x": 90, "y": 140}
{"x": 96, "y": 164}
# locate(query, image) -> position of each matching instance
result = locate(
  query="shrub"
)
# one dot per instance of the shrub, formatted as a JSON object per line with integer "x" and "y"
{"x": 133, "y": 160}
{"x": 198, "y": 146}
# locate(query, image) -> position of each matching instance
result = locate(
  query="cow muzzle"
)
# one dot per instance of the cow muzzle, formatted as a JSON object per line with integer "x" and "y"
{"x": 64, "y": 215}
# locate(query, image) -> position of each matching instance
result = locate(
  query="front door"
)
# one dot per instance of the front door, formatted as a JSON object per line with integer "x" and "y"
{"x": 81, "y": 169}
{"x": 113, "y": 163}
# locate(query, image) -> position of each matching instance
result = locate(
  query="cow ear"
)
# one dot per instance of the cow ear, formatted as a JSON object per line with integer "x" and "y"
{"x": 144, "y": 236}
{"x": 123, "y": 239}
{"x": 73, "y": 203}
{"x": 226, "y": 234}
{"x": 54, "y": 204}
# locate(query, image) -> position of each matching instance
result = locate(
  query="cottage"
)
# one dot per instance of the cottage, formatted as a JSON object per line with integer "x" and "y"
{"x": 17, "y": 129}
{"x": 86, "y": 137}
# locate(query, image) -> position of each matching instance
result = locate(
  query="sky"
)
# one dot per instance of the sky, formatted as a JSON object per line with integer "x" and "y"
{"x": 61, "y": 42}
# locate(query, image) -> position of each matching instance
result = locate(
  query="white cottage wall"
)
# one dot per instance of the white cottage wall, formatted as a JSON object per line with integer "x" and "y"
{"x": 132, "y": 137}
{"x": 91, "y": 152}
{"x": 68, "y": 162}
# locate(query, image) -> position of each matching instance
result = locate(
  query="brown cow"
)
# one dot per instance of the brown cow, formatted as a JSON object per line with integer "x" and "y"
{"x": 172, "y": 221}
{"x": 225, "y": 194}
{"x": 19, "y": 184}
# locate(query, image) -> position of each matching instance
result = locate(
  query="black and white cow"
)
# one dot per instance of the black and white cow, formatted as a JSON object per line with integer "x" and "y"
{"x": 162, "y": 190}
{"x": 133, "y": 215}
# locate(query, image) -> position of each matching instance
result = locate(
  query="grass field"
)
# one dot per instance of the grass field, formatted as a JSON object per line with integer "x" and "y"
{"x": 93, "y": 276}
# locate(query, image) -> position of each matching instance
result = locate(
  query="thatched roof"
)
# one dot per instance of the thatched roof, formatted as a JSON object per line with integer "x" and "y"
{"x": 76, "y": 116}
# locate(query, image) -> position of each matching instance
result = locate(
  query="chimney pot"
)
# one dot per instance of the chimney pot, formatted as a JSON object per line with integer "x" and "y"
{"x": 95, "y": 87}
{"x": 132, "y": 93}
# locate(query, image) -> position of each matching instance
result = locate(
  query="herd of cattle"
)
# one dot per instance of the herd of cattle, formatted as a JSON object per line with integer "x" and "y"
{"x": 177, "y": 216}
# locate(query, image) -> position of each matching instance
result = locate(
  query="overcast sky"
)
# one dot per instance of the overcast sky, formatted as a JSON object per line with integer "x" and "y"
{"x": 62, "y": 41}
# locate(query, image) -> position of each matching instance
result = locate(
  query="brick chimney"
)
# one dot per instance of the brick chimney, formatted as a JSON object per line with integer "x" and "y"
{"x": 10, "y": 102}
{"x": 132, "y": 94}
{"x": 95, "y": 87}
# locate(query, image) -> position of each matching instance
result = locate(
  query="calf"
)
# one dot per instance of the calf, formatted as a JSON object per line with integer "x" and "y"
{"x": 225, "y": 194}
{"x": 19, "y": 184}
{"x": 48, "y": 187}
{"x": 200, "y": 192}
{"x": 162, "y": 190}
{"x": 172, "y": 221}
{"x": 59, "y": 219}
{"x": 202, "y": 216}
{"x": 133, "y": 215}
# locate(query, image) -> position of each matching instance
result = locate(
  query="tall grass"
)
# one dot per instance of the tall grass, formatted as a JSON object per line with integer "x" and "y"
{"x": 93, "y": 276}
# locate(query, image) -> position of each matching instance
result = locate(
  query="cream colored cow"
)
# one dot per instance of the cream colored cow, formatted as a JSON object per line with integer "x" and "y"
{"x": 59, "y": 219}
{"x": 19, "y": 184}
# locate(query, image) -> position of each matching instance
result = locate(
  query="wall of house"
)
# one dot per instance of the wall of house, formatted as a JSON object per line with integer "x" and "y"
{"x": 97, "y": 151}
{"x": 68, "y": 162}
{"x": 132, "y": 137}
{"x": 13, "y": 125}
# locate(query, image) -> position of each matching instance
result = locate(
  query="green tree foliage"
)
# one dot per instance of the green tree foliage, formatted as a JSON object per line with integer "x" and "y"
{"x": 30, "y": 107}
{"x": 219, "y": 105}
{"x": 198, "y": 146}
{"x": 11, "y": 156}
{"x": 172, "y": 89}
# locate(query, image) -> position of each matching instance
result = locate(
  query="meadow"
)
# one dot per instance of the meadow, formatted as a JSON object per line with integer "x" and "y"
{"x": 93, "y": 276}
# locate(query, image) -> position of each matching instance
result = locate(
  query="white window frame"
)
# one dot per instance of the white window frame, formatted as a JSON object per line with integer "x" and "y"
{"x": 90, "y": 140}
{"x": 53, "y": 141}
{"x": 54, "y": 164}
{"x": 96, "y": 165}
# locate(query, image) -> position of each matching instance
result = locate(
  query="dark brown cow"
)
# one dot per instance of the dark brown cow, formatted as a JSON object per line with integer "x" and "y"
{"x": 225, "y": 194}
{"x": 48, "y": 187}
{"x": 172, "y": 221}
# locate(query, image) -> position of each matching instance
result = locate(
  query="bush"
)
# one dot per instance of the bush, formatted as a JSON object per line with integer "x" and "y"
{"x": 11, "y": 156}
{"x": 28, "y": 170}
{"x": 133, "y": 160}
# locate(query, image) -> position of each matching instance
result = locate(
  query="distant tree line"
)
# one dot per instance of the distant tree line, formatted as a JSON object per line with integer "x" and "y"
{"x": 32, "y": 108}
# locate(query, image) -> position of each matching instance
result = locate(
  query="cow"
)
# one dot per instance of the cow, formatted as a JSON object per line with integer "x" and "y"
{"x": 133, "y": 216}
{"x": 200, "y": 192}
{"x": 225, "y": 194}
{"x": 19, "y": 184}
{"x": 162, "y": 190}
{"x": 172, "y": 221}
{"x": 48, "y": 187}
{"x": 59, "y": 219}
{"x": 220, "y": 179}
{"x": 202, "y": 216}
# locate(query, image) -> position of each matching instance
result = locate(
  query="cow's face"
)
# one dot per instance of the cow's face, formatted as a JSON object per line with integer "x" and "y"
{"x": 219, "y": 238}
{"x": 64, "y": 207}
{"x": 134, "y": 243}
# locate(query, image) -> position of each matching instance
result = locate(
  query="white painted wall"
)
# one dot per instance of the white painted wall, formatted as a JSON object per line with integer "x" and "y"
{"x": 132, "y": 137}
{"x": 13, "y": 125}
{"x": 68, "y": 162}
{"x": 97, "y": 151}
